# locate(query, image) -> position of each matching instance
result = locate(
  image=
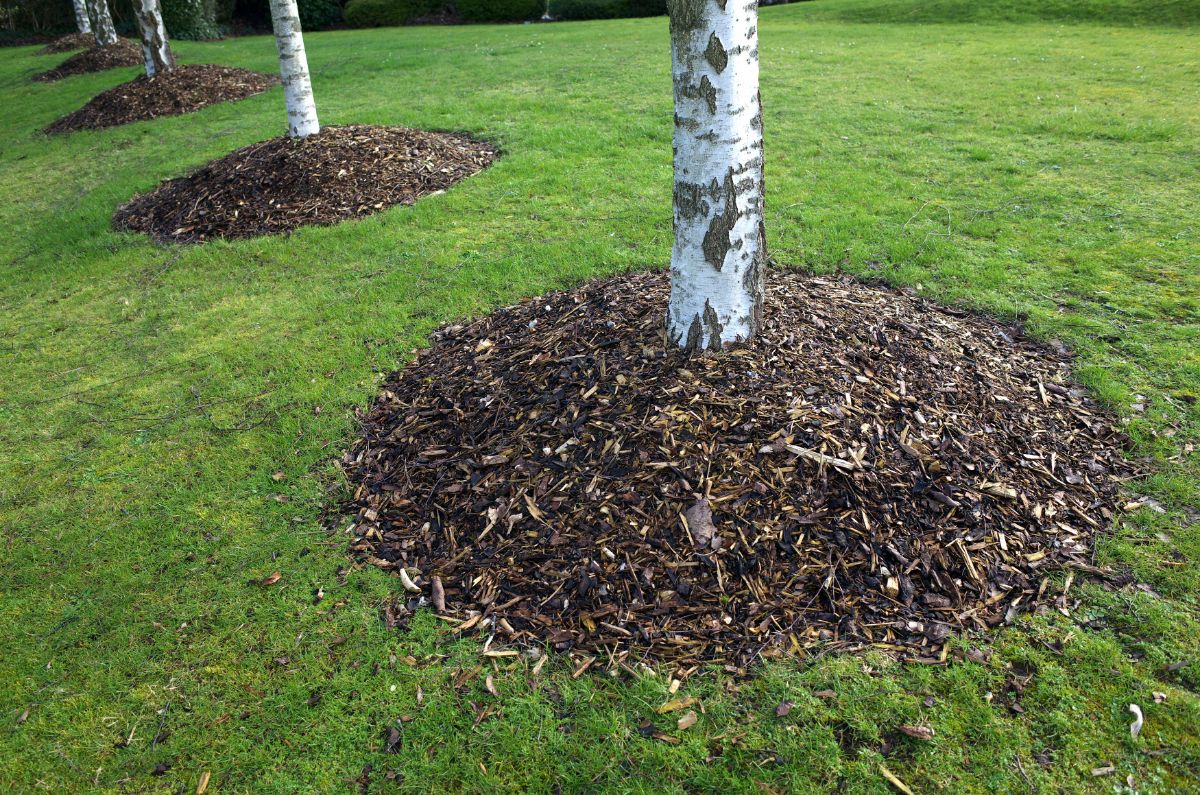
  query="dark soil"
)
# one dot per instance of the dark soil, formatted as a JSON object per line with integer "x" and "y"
{"x": 69, "y": 43}
{"x": 182, "y": 90}
{"x": 97, "y": 59}
{"x": 283, "y": 184}
{"x": 875, "y": 470}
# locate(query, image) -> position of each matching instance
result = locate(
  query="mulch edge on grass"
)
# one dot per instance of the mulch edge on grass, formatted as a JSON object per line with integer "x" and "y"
{"x": 111, "y": 108}
{"x": 434, "y": 427}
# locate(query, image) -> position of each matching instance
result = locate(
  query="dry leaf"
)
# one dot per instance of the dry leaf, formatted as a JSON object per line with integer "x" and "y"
{"x": 700, "y": 523}
{"x": 491, "y": 686}
{"x": 919, "y": 732}
{"x": 202, "y": 785}
{"x": 272, "y": 579}
{"x": 783, "y": 709}
{"x": 687, "y": 720}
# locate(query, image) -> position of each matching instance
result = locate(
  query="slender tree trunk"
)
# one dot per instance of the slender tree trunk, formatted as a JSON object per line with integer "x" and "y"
{"x": 155, "y": 46}
{"x": 719, "y": 256}
{"x": 293, "y": 68}
{"x": 81, "y": 17}
{"x": 102, "y": 24}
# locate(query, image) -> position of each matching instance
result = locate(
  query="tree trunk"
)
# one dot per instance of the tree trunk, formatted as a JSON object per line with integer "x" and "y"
{"x": 719, "y": 256}
{"x": 293, "y": 69}
{"x": 102, "y": 24}
{"x": 81, "y": 17}
{"x": 155, "y": 46}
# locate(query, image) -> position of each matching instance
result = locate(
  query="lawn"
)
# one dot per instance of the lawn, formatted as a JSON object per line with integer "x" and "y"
{"x": 169, "y": 416}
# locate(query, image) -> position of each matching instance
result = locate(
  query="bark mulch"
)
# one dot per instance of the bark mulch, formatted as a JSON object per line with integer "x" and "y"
{"x": 96, "y": 59}
{"x": 69, "y": 43}
{"x": 283, "y": 184}
{"x": 182, "y": 90}
{"x": 875, "y": 470}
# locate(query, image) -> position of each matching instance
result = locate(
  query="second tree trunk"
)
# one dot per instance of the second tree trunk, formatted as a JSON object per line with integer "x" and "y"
{"x": 81, "y": 17}
{"x": 102, "y": 24}
{"x": 293, "y": 69}
{"x": 155, "y": 47}
{"x": 719, "y": 255}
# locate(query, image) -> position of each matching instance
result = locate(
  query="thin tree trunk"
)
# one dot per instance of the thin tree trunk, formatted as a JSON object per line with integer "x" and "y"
{"x": 719, "y": 256}
{"x": 81, "y": 17}
{"x": 155, "y": 46}
{"x": 293, "y": 69}
{"x": 102, "y": 24}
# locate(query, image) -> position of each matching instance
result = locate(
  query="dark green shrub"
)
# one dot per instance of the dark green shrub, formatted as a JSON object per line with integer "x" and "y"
{"x": 190, "y": 19}
{"x": 646, "y": 8}
{"x": 500, "y": 10}
{"x": 320, "y": 14}
{"x": 589, "y": 9}
{"x": 385, "y": 13}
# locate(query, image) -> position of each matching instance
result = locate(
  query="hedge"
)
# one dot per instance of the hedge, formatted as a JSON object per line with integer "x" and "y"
{"x": 189, "y": 19}
{"x": 499, "y": 10}
{"x": 384, "y": 13}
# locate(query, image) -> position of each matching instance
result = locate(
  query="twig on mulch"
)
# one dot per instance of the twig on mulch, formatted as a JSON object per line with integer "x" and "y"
{"x": 282, "y": 184}
{"x": 873, "y": 471}
{"x": 96, "y": 59}
{"x": 182, "y": 90}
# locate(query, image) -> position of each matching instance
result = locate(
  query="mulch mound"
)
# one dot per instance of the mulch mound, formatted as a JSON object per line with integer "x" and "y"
{"x": 283, "y": 184}
{"x": 875, "y": 470}
{"x": 69, "y": 43}
{"x": 97, "y": 59}
{"x": 182, "y": 90}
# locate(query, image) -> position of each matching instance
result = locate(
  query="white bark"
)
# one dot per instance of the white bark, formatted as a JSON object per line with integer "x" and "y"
{"x": 102, "y": 24}
{"x": 155, "y": 47}
{"x": 719, "y": 255}
{"x": 81, "y": 17}
{"x": 293, "y": 69}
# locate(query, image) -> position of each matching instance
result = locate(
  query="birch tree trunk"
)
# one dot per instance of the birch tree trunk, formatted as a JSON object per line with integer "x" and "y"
{"x": 102, "y": 24}
{"x": 155, "y": 47}
{"x": 293, "y": 69}
{"x": 719, "y": 256}
{"x": 81, "y": 17}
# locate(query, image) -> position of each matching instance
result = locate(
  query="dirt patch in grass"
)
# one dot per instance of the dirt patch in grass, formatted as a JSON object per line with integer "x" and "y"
{"x": 69, "y": 43}
{"x": 283, "y": 184}
{"x": 875, "y": 470}
{"x": 96, "y": 59}
{"x": 182, "y": 90}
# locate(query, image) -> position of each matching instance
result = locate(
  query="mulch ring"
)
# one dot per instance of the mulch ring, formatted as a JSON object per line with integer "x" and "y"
{"x": 97, "y": 59}
{"x": 69, "y": 43}
{"x": 283, "y": 184}
{"x": 875, "y": 471}
{"x": 182, "y": 90}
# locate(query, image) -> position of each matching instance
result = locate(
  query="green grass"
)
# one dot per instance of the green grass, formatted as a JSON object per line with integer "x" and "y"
{"x": 148, "y": 393}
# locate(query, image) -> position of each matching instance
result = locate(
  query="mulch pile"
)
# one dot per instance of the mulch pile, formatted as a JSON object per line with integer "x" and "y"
{"x": 283, "y": 184}
{"x": 69, "y": 43}
{"x": 875, "y": 470}
{"x": 182, "y": 90}
{"x": 97, "y": 59}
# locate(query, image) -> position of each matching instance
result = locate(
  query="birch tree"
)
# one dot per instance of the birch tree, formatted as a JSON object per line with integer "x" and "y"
{"x": 102, "y": 24}
{"x": 155, "y": 47}
{"x": 81, "y": 17}
{"x": 293, "y": 69}
{"x": 719, "y": 256}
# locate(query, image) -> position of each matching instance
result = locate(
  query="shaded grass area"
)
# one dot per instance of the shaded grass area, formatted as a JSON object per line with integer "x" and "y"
{"x": 151, "y": 394}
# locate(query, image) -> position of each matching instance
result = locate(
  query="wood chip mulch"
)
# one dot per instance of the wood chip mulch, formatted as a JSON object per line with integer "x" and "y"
{"x": 182, "y": 90}
{"x": 875, "y": 470}
{"x": 69, "y": 43}
{"x": 96, "y": 59}
{"x": 282, "y": 184}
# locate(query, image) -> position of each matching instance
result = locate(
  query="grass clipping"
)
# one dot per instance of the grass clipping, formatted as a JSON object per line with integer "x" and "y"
{"x": 283, "y": 184}
{"x": 182, "y": 90}
{"x": 873, "y": 471}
